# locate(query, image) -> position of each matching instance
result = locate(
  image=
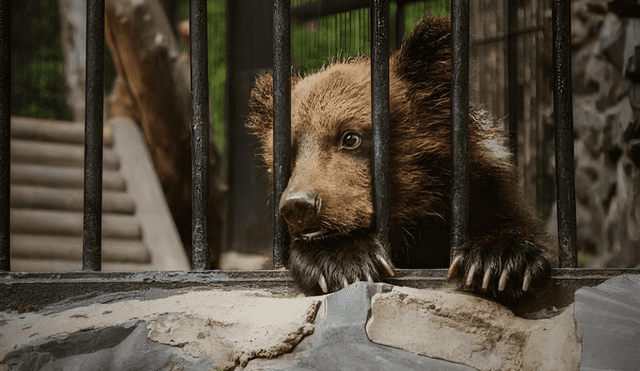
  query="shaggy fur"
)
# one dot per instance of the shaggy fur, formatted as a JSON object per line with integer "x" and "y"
{"x": 328, "y": 205}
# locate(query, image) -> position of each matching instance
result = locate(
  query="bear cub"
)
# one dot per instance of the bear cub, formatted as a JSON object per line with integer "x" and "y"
{"x": 328, "y": 201}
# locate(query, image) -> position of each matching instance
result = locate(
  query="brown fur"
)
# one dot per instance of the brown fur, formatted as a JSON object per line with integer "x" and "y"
{"x": 504, "y": 234}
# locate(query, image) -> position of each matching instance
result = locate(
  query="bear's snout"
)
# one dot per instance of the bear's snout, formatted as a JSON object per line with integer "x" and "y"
{"x": 300, "y": 208}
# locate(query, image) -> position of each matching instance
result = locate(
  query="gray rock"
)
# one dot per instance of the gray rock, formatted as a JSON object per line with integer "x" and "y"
{"x": 122, "y": 347}
{"x": 341, "y": 343}
{"x": 608, "y": 316}
{"x": 473, "y": 331}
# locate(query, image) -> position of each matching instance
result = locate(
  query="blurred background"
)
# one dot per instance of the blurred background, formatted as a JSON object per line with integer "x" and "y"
{"x": 511, "y": 69}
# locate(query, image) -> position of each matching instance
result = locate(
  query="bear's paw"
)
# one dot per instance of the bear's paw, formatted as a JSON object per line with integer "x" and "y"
{"x": 501, "y": 267}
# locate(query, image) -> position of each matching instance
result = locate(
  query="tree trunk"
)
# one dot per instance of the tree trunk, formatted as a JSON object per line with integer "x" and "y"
{"x": 153, "y": 88}
{"x": 73, "y": 23}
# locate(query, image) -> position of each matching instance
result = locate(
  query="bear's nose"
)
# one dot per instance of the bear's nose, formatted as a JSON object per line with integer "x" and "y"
{"x": 301, "y": 207}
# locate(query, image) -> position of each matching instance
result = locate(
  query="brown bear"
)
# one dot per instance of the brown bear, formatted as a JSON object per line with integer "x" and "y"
{"x": 328, "y": 201}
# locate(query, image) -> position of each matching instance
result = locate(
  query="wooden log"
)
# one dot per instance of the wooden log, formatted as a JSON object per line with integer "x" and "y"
{"x": 69, "y": 223}
{"x": 36, "y": 197}
{"x": 62, "y": 177}
{"x": 154, "y": 90}
{"x": 54, "y": 131}
{"x": 70, "y": 248}
{"x": 73, "y": 40}
{"x": 23, "y": 151}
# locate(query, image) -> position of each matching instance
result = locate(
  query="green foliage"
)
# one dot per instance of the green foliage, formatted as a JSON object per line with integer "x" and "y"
{"x": 584, "y": 260}
{"x": 317, "y": 43}
{"x": 38, "y": 84}
{"x": 36, "y": 61}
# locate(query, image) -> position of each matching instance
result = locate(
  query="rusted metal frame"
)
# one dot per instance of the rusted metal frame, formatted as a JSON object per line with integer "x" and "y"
{"x": 94, "y": 114}
{"x": 459, "y": 122}
{"x": 281, "y": 125}
{"x": 199, "y": 134}
{"x": 31, "y": 291}
{"x": 5, "y": 132}
{"x": 380, "y": 116}
{"x": 563, "y": 118}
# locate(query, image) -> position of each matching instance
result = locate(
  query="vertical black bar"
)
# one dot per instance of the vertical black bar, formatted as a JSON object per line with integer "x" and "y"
{"x": 281, "y": 125}
{"x": 199, "y": 134}
{"x": 512, "y": 71}
{"x": 5, "y": 131}
{"x": 459, "y": 121}
{"x": 563, "y": 117}
{"x": 380, "y": 116}
{"x": 400, "y": 20}
{"x": 91, "y": 251}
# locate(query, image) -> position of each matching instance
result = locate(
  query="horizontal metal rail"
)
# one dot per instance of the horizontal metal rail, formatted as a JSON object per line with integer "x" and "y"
{"x": 25, "y": 292}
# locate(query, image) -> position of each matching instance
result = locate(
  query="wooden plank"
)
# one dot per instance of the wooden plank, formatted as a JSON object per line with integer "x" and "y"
{"x": 54, "y": 131}
{"x": 69, "y": 223}
{"x": 24, "y": 151}
{"x": 160, "y": 233}
{"x": 62, "y": 177}
{"x": 36, "y": 197}
{"x": 48, "y": 247}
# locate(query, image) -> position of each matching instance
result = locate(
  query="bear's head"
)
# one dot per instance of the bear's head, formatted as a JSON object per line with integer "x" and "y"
{"x": 329, "y": 192}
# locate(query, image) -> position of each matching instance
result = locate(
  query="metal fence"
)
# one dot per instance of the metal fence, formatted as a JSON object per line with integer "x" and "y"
{"x": 29, "y": 291}
{"x": 380, "y": 121}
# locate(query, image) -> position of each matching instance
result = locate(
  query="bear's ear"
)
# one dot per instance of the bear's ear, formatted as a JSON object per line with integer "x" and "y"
{"x": 424, "y": 59}
{"x": 260, "y": 121}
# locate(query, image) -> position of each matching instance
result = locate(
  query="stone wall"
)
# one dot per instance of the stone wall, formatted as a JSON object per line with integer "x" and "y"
{"x": 606, "y": 106}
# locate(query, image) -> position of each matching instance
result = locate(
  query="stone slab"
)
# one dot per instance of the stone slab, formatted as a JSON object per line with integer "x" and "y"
{"x": 472, "y": 331}
{"x": 608, "y": 316}
{"x": 339, "y": 341}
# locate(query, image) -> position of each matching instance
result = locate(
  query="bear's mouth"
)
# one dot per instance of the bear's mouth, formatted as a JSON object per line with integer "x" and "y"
{"x": 317, "y": 236}
{"x": 328, "y": 237}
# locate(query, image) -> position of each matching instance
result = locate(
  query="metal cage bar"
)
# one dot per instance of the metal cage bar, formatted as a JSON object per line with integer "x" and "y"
{"x": 563, "y": 118}
{"x": 94, "y": 95}
{"x": 512, "y": 76}
{"x": 199, "y": 134}
{"x": 459, "y": 122}
{"x": 5, "y": 131}
{"x": 281, "y": 125}
{"x": 380, "y": 116}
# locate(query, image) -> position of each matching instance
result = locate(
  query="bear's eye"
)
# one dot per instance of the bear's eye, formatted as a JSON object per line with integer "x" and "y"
{"x": 350, "y": 140}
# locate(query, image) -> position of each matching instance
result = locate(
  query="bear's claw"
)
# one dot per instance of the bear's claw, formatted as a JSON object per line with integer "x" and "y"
{"x": 322, "y": 282}
{"x": 385, "y": 265}
{"x": 518, "y": 266}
